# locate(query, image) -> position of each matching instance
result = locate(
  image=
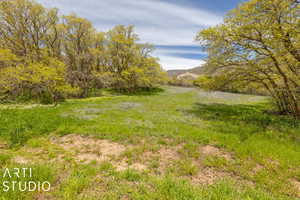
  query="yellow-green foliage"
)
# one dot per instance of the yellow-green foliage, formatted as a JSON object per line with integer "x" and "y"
{"x": 7, "y": 58}
{"x": 205, "y": 82}
{"x": 46, "y": 56}
{"x": 180, "y": 82}
{"x": 36, "y": 79}
{"x": 130, "y": 63}
{"x": 259, "y": 42}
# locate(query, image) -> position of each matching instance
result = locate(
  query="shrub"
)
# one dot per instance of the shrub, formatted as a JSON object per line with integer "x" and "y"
{"x": 42, "y": 81}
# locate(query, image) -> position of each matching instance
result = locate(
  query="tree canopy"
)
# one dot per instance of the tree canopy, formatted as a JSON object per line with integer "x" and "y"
{"x": 45, "y": 55}
{"x": 258, "y": 45}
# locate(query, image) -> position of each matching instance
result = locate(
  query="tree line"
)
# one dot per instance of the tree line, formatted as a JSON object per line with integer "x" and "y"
{"x": 257, "y": 47}
{"x": 47, "y": 57}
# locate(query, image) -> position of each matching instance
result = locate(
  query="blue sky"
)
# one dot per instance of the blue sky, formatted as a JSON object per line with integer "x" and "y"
{"x": 170, "y": 25}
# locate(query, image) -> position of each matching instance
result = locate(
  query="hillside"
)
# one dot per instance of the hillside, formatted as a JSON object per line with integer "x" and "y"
{"x": 195, "y": 70}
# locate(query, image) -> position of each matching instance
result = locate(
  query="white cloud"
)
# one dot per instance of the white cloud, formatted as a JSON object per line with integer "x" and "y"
{"x": 168, "y": 35}
{"x": 171, "y": 62}
{"x": 156, "y": 22}
{"x": 150, "y": 11}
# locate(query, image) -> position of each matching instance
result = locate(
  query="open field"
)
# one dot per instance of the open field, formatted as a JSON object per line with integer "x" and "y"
{"x": 181, "y": 143}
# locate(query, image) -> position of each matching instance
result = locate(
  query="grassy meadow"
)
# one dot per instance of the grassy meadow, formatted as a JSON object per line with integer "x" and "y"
{"x": 174, "y": 143}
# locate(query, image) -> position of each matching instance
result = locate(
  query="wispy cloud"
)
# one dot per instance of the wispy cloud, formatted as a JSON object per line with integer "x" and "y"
{"x": 180, "y": 57}
{"x": 156, "y": 21}
{"x": 172, "y": 62}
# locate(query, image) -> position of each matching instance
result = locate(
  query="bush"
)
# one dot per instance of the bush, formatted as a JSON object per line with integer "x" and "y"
{"x": 43, "y": 81}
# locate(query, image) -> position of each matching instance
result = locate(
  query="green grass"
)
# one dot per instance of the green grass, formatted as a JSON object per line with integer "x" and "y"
{"x": 239, "y": 124}
{"x": 40, "y": 174}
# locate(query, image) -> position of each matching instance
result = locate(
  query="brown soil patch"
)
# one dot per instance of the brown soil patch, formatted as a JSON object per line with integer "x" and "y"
{"x": 34, "y": 151}
{"x": 122, "y": 166}
{"x": 208, "y": 176}
{"x": 139, "y": 166}
{"x": 214, "y": 151}
{"x": 88, "y": 149}
{"x": 89, "y": 157}
{"x": 257, "y": 168}
{"x": 21, "y": 160}
{"x": 296, "y": 184}
{"x": 166, "y": 156}
{"x": 272, "y": 163}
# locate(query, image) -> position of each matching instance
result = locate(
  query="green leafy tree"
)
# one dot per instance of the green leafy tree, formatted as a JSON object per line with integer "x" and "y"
{"x": 259, "y": 43}
{"x": 28, "y": 29}
{"x": 79, "y": 38}
{"x": 43, "y": 81}
{"x": 130, "y": 63}
{"x": 47, "y": 57}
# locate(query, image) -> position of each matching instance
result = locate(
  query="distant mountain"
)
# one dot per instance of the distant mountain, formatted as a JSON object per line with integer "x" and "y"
{"x": 177, "y": 72}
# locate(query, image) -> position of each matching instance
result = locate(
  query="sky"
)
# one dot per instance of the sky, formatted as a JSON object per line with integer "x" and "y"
{"x": 170, "y": 25}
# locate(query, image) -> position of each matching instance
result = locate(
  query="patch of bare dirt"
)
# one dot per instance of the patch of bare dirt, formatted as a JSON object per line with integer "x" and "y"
{"x": 273, "y": 163}
{"x": 89, "y": 157}
{"x": 34, "y": 151}
{"x": 214, "y": 151}
{"x": 296, "y": 184}
{"x": 88, "y": 149}
{"x": 208, "y": 176}
{"x": 257, "y": 168}
{"x": 166, "y": 156}
{"x": 122, "y": 166}
{"x": 21, "y": 160}
{"x": 139, "y": 166}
